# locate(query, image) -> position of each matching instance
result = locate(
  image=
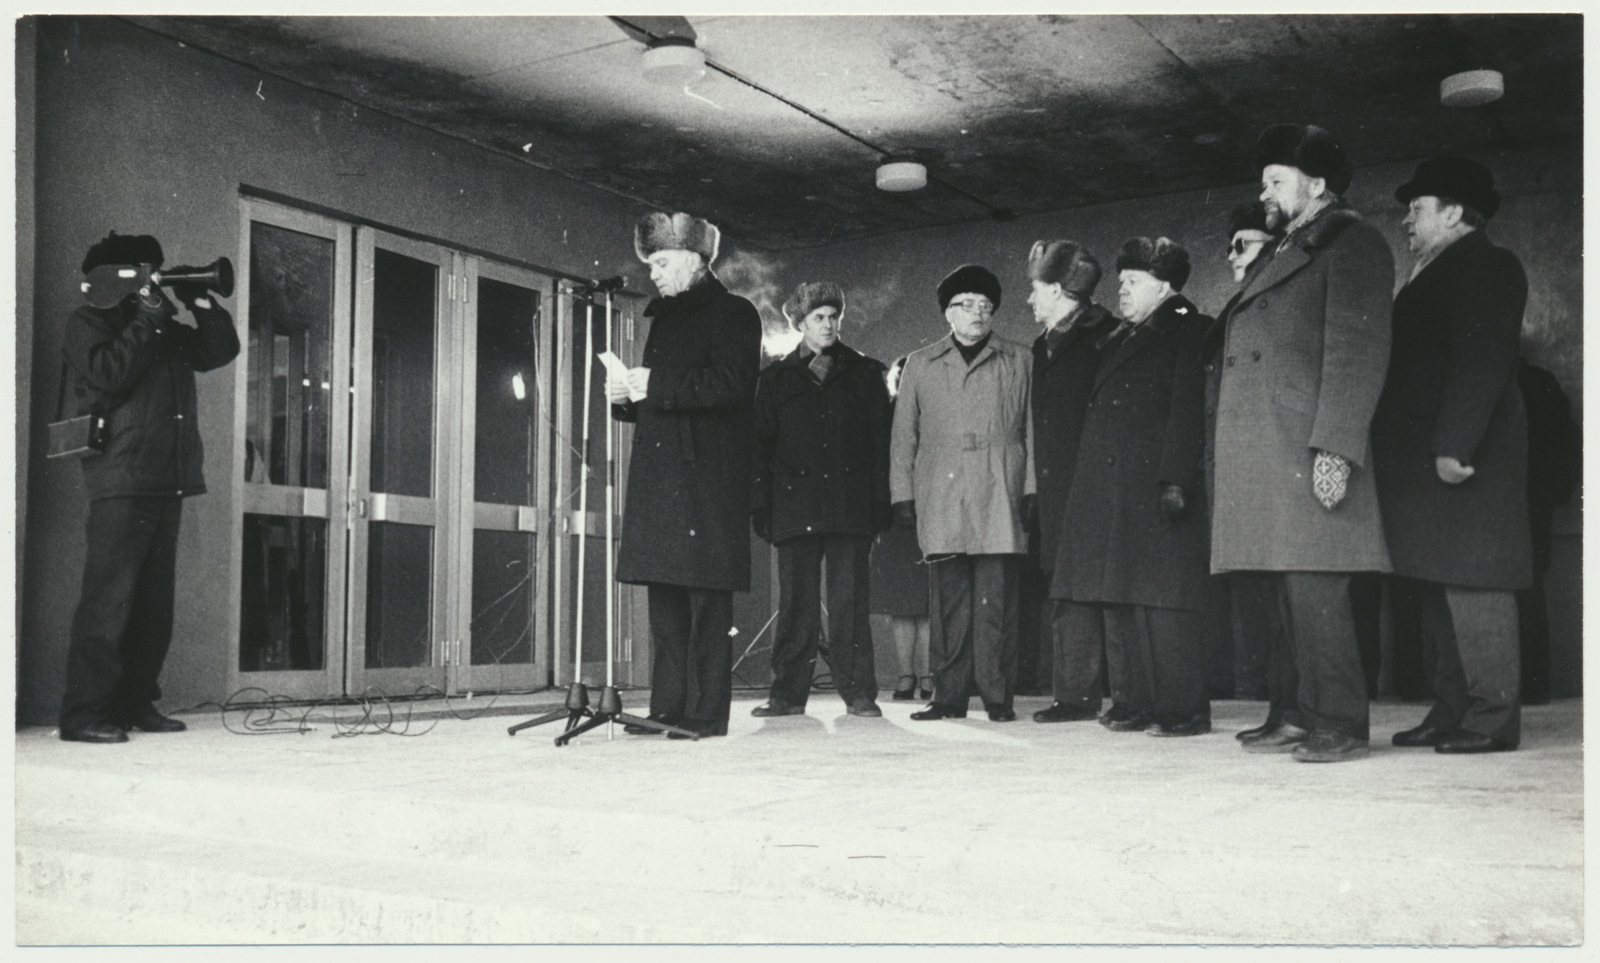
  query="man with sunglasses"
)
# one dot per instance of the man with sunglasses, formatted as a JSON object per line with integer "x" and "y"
{"x": 961, "y": 470}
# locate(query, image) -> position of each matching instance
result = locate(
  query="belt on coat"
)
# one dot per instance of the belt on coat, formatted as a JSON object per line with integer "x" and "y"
{"x": 971, "y": 440}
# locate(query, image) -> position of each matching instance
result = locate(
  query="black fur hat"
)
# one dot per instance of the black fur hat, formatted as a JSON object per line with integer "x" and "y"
{"x": 1162, "y": 258}
{"x": 1456, "y": 178}
{"x": 969, "y": 279}
{"x": 658, "y": 231}
{"x": 1309, "y": 148}
{"x": 809, "y": 296}
{"x": 1067, "y": 264}
{"x": 117, "y": 248}
{"x": 1248, "y": 217}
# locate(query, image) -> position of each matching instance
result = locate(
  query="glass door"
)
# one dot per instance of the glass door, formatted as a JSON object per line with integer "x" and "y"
{"x": 400, "y": 595}
{"x": 290, "y": 453}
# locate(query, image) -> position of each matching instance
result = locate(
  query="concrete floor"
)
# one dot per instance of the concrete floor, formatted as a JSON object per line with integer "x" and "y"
{"x": 816, "y": 829}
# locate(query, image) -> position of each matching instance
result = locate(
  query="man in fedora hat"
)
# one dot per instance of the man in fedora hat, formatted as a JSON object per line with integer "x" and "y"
{"x": 1064, "y": 275}
{"x": 684, "y": 528}
{"x": 821, "y": 493}
{"x": 1450, "y": 453}
{"x": 1305, "y": 346}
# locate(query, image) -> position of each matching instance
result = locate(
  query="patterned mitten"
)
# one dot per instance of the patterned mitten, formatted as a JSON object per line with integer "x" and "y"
{"x": 1330, "y": 478}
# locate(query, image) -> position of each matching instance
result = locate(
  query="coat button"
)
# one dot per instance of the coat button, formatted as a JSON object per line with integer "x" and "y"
{"x": 1044, "y": 471}
{"x": 1210, "y": 368}
{"x": 1261, "y": 305}
{"x": 1111, "y": 459}
{"x": 1255, "y": 356}
{"x": 691, "y": 533}
{"x": 1230, "y": 360}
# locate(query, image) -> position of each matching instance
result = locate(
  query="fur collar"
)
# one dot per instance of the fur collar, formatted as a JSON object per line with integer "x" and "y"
{"x": 1320, "y": 231}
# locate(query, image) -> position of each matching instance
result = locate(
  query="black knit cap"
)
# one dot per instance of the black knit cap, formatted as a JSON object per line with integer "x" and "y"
{"x": 1162, "y": 258}
{"x": 1248, "y": 217}
{"x": 969, "y": 279}
{"x": 117, "y": 248}
{"x": 1311, "y": 149}
{"x": 1456, "y": 178}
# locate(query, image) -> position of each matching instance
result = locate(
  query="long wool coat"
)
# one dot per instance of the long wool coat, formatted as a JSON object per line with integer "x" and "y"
{"x": 1307, "y": 344}
{"x": 1452, "y": 390}
{"x": 1061, "y": 386}
{"x": 1144, "y": 428}
{"x": 962, "y": 447}
{"x": 822, "y": 450}
{"x": 687, "y": 517}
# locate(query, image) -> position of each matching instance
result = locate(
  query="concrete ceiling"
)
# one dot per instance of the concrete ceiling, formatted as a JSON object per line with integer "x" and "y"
{"x": 1018, "y": 114}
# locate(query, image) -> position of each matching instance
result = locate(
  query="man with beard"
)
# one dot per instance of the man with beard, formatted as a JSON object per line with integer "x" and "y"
{"x": 684, "y": 531}
{"x": 1064, "y": 276}
{"x": 1306, "y": 345}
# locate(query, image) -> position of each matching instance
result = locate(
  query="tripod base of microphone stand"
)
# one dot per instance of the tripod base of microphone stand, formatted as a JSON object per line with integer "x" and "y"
{"x": 576, "y": 708}
{"x": 610, "y": 710}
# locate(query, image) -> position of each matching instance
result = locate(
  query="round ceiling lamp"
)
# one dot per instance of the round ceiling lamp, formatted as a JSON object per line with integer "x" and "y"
{"x": 899, "y": 174}
{"x": 1470, "y": 88}
{"x": 672, "y": 62}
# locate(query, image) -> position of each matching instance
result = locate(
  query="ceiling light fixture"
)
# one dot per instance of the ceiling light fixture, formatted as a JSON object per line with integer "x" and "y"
{"x": 1471, "y": 88}
{"x": 901, "y": 174}
{"x": 672, "y": 62}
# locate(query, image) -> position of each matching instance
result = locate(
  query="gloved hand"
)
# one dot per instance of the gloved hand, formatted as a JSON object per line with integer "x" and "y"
{"x": 153, "y": 309}
{"x": 761, "y": 522}
{"x": 1330, "y": 478}
{"x": 882, "y": 517}
{"x": 1452, "y": 472}
{"x": 905, "y": 514}
{"x": 190, "y": 293}
{"x": 1173, "y": 502}
{"x": 1030, "y": 511}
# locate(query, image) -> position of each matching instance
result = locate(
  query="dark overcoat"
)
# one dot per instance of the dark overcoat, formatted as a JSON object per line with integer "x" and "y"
{"x": 1307, "y": 343}
{"x": 1144, "y": 428}
{"x": 822, "y": 450}
{"x": 686, "y": 519}
{"x": 1452, "y": 390}
{"x": 140, "y": 375}
{"x": 1061, "y": 385}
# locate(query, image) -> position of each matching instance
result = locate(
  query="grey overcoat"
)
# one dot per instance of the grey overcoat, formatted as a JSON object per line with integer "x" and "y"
{"x": 1307, "y": 345}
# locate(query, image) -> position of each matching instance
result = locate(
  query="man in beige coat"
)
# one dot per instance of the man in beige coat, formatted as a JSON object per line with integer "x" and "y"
{"x": 961, "y": 470}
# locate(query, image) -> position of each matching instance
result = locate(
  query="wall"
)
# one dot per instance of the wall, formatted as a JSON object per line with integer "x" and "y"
{"x": 890, "y": 282}
{"x": 144, "y": 135}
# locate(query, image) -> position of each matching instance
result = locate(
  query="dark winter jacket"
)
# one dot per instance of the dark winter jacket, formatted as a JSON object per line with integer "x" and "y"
{"x": 139, "y": 372}
{"x": 1452, "y": 390}
{"x": 822, "y": 450}
{"x": 1143, "y": 429}
{"x": 1061, "y": 386}
{"x": 686, "y": 514}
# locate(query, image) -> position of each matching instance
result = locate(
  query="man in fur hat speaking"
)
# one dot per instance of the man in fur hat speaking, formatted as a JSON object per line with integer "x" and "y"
{"x": 1305, "y": 347}
{"x": 684, "y": 531}
{"x": 821, "y": 493}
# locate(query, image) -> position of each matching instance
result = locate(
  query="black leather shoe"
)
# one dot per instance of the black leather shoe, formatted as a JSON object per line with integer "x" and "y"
{"x": 152, "y": 721}
{"x": 1000, "y": 713}
{"x": 909, "y": 692}
{"x": 1464, "y": 741}
{"x": 774, "y": 708}
{"x": 1117, "y": 713}
{"x": 1195, "y": 725}
{"x": 1060, "y": 712}
{"x": 1260, "y": 730}
{"x": 704, "y": 728}
{"x": 937, "y": 710}
{"x": 101, "y": 732}
{"x": 634, "y": 729}
{"x": 1419, "y": 737}
{"x": 865, "y": 708}
{"x": 1330, "y": 745}
{"x": 1130, "y": 722}
{"x": 1282, "y": 739}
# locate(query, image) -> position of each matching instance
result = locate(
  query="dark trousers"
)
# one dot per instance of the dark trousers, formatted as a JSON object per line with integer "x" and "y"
{"x": 1155, "y": 657}
{"x": 801, "y": 561}
{"x": 1476, "y": 669}
{"x": 1322, "y": 637}
{"x": 1263, "y": 618}
{"x": 123, "y": 624}
{"x": 692, "y": 676}
{"x": 1080, "y": 657}
{"x": 972, "y": 637}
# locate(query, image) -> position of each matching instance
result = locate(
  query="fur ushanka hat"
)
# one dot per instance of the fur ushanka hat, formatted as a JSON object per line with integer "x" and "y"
{"x": 1162, "y": 258}
{"x": 657, "y": 231}
{"x": 809, "y": 296}
{"x": 1309, "y": 148}
{"x": 969, "y": 279}
{"x": 1067, "y": 264}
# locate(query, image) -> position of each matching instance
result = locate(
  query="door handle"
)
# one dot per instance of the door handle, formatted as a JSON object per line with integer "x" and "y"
{"x": 361, "y": 507}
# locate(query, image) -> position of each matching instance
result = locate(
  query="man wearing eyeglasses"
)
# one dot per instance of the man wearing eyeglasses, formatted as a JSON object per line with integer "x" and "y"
{"x": 961, "y": 470}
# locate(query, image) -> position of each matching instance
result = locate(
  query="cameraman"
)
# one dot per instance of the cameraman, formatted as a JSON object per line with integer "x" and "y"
{"x": 134, "y": 363}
